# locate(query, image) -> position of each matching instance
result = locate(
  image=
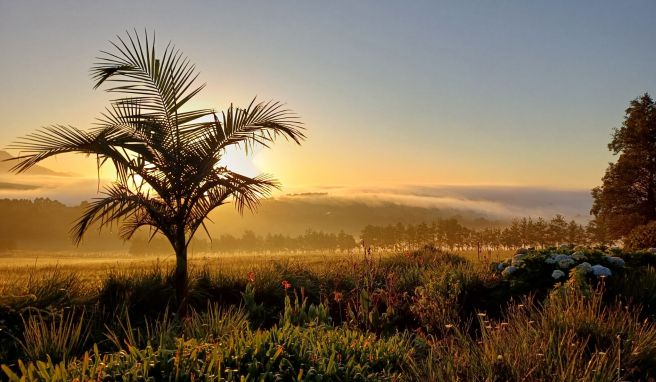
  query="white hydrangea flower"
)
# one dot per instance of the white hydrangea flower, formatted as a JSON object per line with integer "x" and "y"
{"x": 509, "y": 270}
{"x": 560, "y": 257}
{"x": 578, "y": 256}
{"x": 616, "y": 261}
{"x": 500, "y": 266}
{"x": 557, "y": 274}
{"x": 584, "y": 267}
{"x": 566, "y": 263}
{"x": 600, "y": 271}
{"x": 550, "y": 260}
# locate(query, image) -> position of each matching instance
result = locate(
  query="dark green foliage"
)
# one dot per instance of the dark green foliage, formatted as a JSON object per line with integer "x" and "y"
{"x": 641, "y": 237}
{"x": 627, "y": 197}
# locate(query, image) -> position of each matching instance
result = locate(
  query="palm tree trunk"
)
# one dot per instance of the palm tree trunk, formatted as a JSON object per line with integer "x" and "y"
{"x": 181, "y": 277}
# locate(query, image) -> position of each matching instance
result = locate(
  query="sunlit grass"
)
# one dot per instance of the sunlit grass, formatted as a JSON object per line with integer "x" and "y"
{"x": 17, "y": 267}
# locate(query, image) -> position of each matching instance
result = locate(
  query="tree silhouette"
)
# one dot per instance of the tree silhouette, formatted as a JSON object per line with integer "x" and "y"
{"x": 169, "y": 174}
{"x": 627, "y": 197}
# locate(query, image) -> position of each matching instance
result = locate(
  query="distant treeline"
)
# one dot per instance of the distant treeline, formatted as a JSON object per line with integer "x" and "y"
{"x": 44, "y": 224}
{"x": 450, "y": 234}
{"x": 250, "y": 242}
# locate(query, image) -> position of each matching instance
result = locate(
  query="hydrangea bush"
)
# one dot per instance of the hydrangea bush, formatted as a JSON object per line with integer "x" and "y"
{"x": 535, "y": 270}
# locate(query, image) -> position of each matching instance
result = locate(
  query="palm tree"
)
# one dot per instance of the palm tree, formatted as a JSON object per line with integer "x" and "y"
{"x": 169, "y": 174}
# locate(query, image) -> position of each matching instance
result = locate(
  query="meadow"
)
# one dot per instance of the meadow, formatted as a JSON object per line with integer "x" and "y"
{"x": 563, "y": 313}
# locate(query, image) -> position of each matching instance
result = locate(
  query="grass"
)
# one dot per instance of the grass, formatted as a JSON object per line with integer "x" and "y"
{"x": 424, "y": 315}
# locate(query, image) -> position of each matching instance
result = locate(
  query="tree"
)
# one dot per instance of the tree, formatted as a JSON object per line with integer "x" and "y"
{"x": 642, "y": 237}
{"x": 557, "y": 229}
{"x": 627, "y": 197}
{"x": 168, "y": 160}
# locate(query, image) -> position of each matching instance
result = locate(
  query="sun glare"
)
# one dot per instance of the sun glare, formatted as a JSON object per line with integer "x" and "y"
{"x": 237, "y": 160}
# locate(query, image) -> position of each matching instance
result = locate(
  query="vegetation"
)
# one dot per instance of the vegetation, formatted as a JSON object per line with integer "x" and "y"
{"x": 418, "y": 315}
{"x": 627, "y": 197}
{"x": 642, "y": 237}
{"x": 450, "y": 234}
{"x": 168, "y": 160}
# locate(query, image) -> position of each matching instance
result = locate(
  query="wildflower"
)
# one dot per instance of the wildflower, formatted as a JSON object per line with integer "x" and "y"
{"x": 616, "y": 261}
{"x": 651, "y": 250}
{"x": 600, "y": 271}
{"x": 557, "y": 274}
{"x": 481, "y": 314}
{"x": 509, "y": 270}
{"x": 550, "y": 260}
{"x": 251, "y": 276}
{"x": 448, "y": 326}
{"x": 501, "y": 266}
{"x": 286, "y": 284}
{"x": 338, "y": 296}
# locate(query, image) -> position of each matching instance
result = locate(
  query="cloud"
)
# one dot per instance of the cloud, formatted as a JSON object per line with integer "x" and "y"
{"x": 491, "y": 201}
{"x": 17, "y": 186}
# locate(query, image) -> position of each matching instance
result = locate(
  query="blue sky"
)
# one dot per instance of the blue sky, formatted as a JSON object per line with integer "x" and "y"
{"x": 392, "y": 93}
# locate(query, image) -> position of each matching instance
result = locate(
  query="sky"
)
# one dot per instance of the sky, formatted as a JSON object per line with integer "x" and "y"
{"x": 503, "y": 93}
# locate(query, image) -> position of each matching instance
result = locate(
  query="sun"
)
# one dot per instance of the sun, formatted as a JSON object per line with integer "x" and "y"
{"x": 236, "y": 159}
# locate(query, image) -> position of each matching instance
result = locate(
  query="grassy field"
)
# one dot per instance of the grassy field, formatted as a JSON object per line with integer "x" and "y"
{"x": 420, "y": 315}
{"x": 17, "y": 268}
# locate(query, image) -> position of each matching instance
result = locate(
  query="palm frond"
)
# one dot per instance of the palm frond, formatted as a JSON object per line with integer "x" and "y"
{"x": 259, "y": 124}
{"x": 162, "y": 85}
{"x": 120, "y": 203}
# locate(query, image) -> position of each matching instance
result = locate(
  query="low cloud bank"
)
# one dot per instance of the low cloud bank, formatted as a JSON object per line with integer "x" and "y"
{"x": 490, "y": 201}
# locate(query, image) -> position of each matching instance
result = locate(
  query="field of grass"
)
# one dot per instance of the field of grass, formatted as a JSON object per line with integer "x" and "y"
{"x": 18, "y": 267}
{"x": 421, "y": 315}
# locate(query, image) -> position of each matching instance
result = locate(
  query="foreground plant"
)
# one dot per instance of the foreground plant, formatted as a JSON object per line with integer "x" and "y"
{"x": 572, "y": 337}
{"x": 169, "y": 173}
{"x": 287, "y": 353}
